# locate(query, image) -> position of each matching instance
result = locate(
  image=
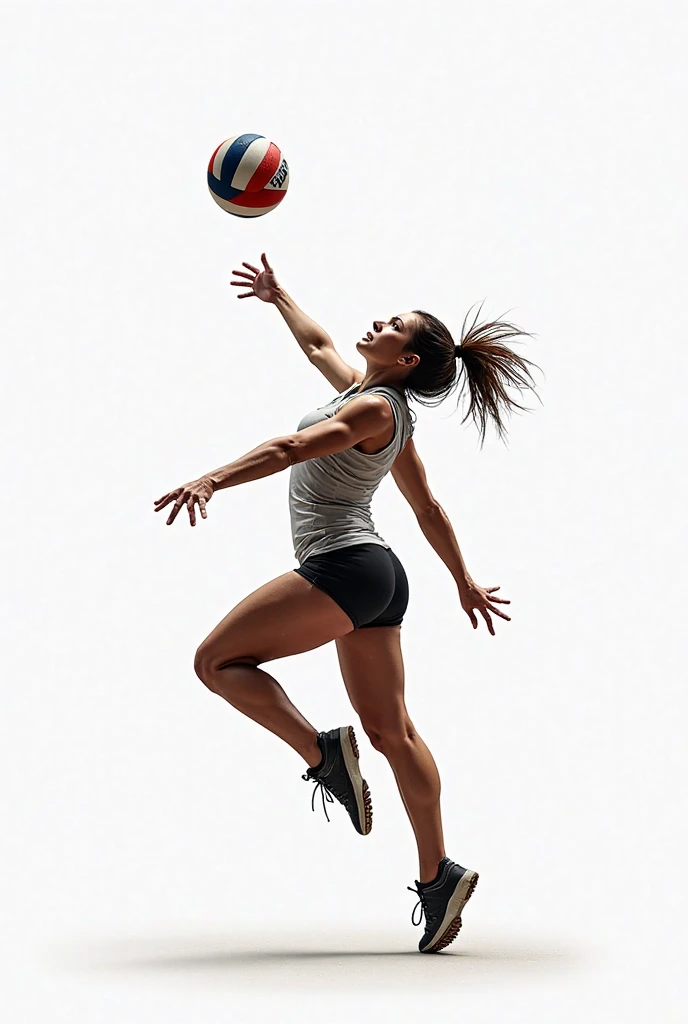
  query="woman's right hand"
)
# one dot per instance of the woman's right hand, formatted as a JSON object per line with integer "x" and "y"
{"x": 262, "y": 283}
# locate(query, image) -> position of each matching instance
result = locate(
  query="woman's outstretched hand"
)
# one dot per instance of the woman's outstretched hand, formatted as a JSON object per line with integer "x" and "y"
{"x": 262, "y": 283}
{"x": 198, "y": 491}
{"x": 478, "y": 598}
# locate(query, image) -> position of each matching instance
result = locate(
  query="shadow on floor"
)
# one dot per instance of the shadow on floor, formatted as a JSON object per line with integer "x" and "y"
{"x": 310, "y": 959}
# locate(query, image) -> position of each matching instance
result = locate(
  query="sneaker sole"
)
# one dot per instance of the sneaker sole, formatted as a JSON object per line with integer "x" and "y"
{"x": 347, "y": 738}
{"x": 451, "y": 925}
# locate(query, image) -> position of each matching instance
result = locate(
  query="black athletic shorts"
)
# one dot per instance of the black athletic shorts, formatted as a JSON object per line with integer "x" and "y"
{"x": 366, "y": 580}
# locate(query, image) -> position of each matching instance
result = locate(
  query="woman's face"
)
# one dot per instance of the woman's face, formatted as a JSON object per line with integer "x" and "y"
{"x": 384, "y": 344}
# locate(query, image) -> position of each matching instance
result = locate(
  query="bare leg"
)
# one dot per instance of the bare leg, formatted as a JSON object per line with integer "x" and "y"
{"x": 373, "y": 672}
{"x": 286, "y": 616}
{"x": 259, "y": 696}
{"x": 418, "y": 781}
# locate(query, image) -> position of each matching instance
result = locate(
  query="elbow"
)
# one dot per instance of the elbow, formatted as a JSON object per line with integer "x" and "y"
{"x": 428, "y": 510}
{"x": 287, "y": 451}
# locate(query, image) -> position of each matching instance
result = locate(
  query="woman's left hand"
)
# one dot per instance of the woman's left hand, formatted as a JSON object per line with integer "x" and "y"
{"x": 480, "y": 598}
{"x": 198, "y": 491}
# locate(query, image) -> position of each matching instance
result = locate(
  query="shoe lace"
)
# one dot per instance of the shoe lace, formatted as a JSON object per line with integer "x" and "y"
{"x": 422, "y": 903}
{"x": 320, "y": 785}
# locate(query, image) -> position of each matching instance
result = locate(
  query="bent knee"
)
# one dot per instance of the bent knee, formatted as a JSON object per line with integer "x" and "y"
{"x": 203, "y": 668}
{"x": 209, "y": 663}
{"x": 386, "y": 736}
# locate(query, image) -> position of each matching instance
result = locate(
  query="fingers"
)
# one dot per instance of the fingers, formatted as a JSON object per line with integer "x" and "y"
{"x": 485, "y": 612}
{"x": 264, "y": 261}
{"x": 256, "y": 270}
{"x": 167, "y": 498}
{"x": 485, "y": 605}
{"x": 183, "y": 497}
{"x": 489, "y": 604}
{"x": 486, "y": 615}
{"x": 243, "y": 284}
{"x": 175, "y": 509}
{"x": 191, "y": 503}
{"x": 248, "y": 280}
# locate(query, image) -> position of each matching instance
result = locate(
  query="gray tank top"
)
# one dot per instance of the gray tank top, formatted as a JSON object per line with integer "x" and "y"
{"x": 329, "y": 497}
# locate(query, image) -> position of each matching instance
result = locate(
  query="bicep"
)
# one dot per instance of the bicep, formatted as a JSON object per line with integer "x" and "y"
{"x": 411, "y": 479}
{"x": 340, "y": 375}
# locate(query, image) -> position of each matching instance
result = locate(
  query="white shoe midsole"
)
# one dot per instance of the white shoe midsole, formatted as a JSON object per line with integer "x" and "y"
{"x": 351, "y": 762}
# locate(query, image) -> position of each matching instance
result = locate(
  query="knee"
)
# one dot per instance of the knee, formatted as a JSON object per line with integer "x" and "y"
{"x": 204, "y": 669}
{"x": 209, "y": 666}
{"x": 389, "y": 736}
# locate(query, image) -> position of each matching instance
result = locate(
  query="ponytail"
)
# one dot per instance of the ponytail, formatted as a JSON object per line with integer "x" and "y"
{"x": 481, "y": 366}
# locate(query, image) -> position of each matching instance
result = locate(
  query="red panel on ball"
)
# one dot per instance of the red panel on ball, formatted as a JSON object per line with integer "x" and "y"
{"x": 265, "y": 169}
{"x": 254, "y": 200}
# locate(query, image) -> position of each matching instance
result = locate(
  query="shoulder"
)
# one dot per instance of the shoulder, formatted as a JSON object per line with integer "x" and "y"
{"x": 375, "y": 404}
{"x": 369, "y": 407}
{"x": 396, "y": 401}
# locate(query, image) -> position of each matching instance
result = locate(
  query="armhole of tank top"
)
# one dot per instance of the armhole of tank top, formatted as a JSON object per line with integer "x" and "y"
{"x": 396, "y": 412}
{"x": 402, "y": 412}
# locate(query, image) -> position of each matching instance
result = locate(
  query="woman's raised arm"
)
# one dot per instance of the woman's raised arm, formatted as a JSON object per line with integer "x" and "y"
{"x": 266, "y": 287}
{"x": 314, "y": 341}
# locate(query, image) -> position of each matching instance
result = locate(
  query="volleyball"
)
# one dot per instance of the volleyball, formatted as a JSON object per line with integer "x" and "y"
{"x": 248, "y": 176}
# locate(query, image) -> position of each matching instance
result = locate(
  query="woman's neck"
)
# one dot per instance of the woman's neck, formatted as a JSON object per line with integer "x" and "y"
{"x": 375, "y": 380}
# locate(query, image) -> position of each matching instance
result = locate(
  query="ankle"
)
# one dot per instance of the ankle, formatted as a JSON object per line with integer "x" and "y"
{"x": 313, "y": 755}
{"x": 429, "y": 870}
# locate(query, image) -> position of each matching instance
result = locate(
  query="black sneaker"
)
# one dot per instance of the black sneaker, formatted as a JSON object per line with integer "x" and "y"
{"x": 441, "y": 902}
{"x": 338, "y": 776}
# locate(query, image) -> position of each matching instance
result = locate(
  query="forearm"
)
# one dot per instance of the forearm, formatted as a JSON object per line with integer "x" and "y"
{"x": 309, "y": 335}
{"x": 265, "y": 460}
{"x": 440, "y": 534}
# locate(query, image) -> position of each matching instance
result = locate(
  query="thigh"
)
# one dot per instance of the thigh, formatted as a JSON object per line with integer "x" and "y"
{"x": 284, "y": 617}
{"x": 372, "y": 668}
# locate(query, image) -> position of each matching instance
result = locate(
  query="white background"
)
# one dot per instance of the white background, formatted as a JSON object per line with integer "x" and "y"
{"x": 160, "y": 859}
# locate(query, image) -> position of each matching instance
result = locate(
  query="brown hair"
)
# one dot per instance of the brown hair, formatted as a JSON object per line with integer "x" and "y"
{"x": 486, "y": 368}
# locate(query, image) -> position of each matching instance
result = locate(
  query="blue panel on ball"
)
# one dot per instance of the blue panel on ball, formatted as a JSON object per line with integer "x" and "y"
{"x": 221, "y": 189}
{"x": 234, "y": 154}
